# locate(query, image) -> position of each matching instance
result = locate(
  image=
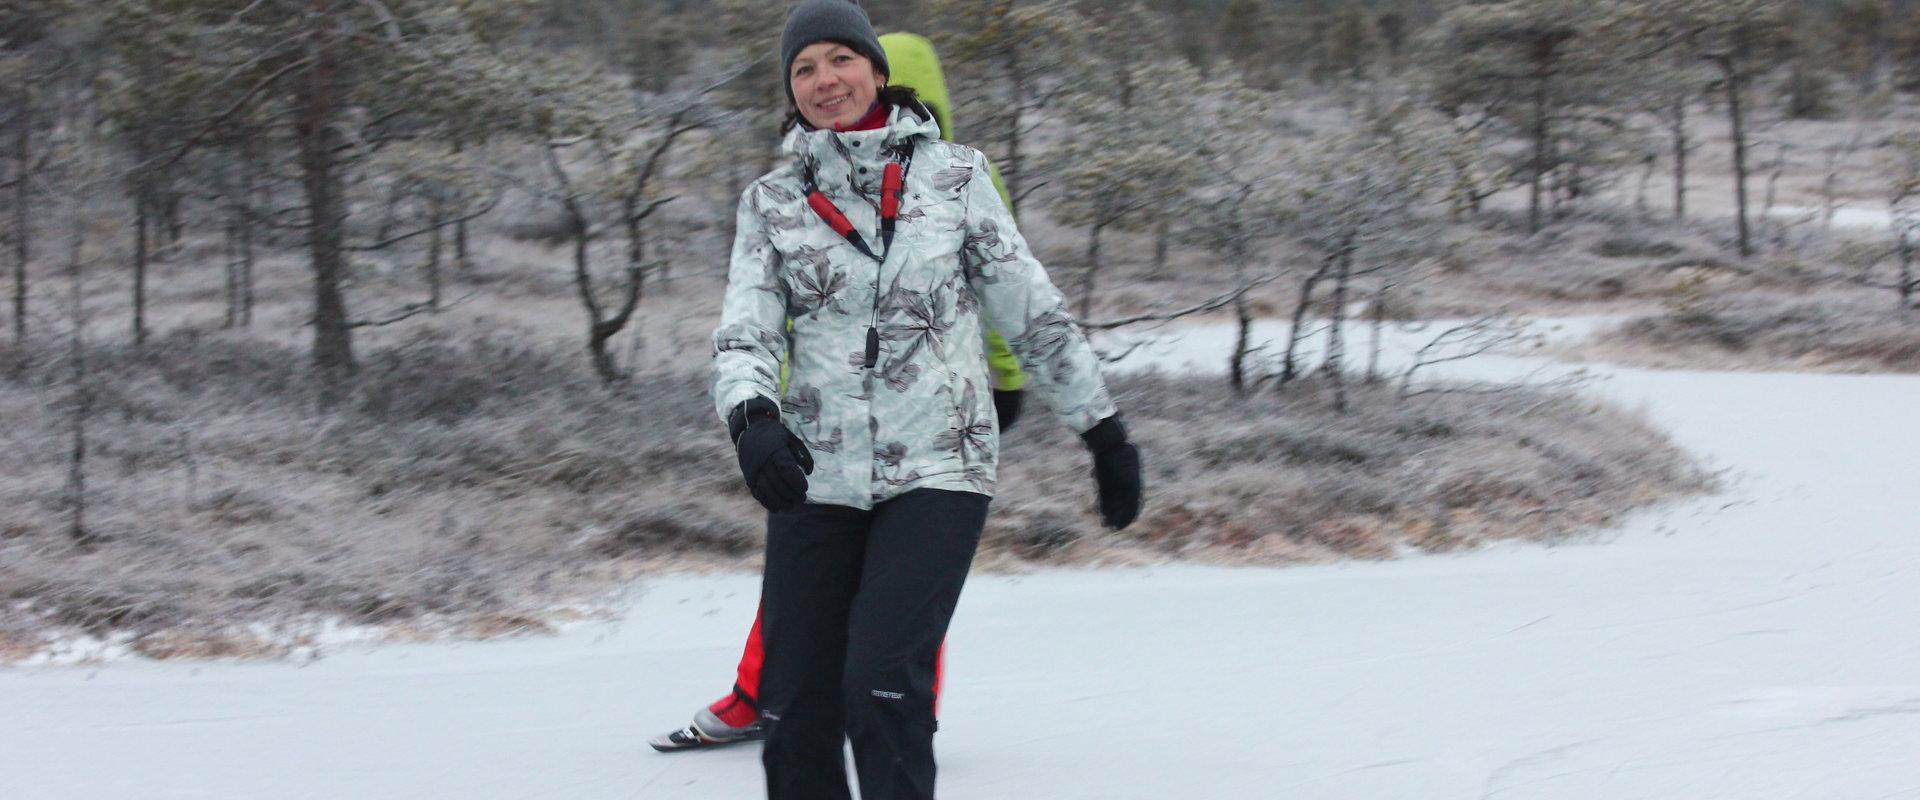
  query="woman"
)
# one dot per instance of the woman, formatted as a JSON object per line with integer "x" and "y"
{"x": 735, "y": 717}
{"x": 886, "y": 248}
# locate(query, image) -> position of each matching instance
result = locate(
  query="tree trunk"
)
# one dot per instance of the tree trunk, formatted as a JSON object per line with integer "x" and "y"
{"x": 249, "y": 191}
{"x": 237, "y": 241}
{"x": 230, "y": 255}
{"x": 1732, "y": 83}
{"x": 636, "y": 239}
{"x": 82, "y": 406}
{"x": 1088, "y": 275}
{"x": 1160, "y": 236}
{"x": 317, "y": 105}
{"x": 22, "y": 224}
{"x": 1541, "y": 132}
{"x": 1289, "y": 364}
{"x": 1335, "y": 362}
{"x": 389, "y": 213}
{"x": 1379, "y": 330}
{"x": 1242, "y": 318}
{"x": 1647, "y": 166}
{"x": 436, "y": 242}
{"x": 1906, "y": 283}
{"x": 1679, "y": 130}
{"x": 1770, "y": 227}
{"x": 1015, "y": 174}
{"x": 142, "y": 223}
{"x": 603, "y": 364}
{"x": 462, "y": 257}
{"x": 173, "y": 205}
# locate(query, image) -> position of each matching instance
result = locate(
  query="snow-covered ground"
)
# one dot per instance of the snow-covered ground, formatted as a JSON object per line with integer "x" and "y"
{"x": 1762, "y": 643}
{"x": 1844, "y": 217}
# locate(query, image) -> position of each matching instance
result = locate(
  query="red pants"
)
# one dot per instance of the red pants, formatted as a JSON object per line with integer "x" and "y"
{"x": 742, "y": 707}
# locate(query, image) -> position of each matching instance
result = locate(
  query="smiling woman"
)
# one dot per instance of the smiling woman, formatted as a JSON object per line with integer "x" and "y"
{"x": 866, "y": 270}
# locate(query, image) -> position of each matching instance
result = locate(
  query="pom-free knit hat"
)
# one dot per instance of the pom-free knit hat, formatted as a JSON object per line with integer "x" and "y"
{"x": 842, "y": 21}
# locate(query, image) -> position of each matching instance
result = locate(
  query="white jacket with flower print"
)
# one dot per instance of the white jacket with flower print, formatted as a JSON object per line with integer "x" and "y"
{"x": 922, "y": 416}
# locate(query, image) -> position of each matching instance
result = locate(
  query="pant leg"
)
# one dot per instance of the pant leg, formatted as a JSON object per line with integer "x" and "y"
{"x": 814, "y": 556}
{"x": 752, "y": 659}
{"x": 919, "y": 549}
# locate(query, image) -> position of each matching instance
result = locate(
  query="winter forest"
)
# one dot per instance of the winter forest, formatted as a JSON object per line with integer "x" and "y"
{"x": 1459, "y": 338}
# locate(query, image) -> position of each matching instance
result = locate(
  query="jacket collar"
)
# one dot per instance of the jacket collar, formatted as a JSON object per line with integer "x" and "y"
{"x": 837, "y": 156}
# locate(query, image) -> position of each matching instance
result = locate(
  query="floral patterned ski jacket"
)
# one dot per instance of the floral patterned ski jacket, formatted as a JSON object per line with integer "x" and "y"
{"x": 922, "y": 416}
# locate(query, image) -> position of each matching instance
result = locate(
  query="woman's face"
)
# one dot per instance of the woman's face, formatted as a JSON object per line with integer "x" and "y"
{"x": 833, "y": 85}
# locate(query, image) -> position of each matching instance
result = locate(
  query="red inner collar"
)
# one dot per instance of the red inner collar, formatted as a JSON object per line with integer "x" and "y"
{"x": 875, "y": 119}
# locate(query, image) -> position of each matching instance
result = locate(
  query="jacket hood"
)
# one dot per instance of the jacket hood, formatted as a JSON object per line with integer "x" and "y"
{"x": 916, "y": 65}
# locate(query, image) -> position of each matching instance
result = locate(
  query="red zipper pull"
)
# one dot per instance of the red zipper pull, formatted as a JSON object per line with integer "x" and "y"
{"x": 890, "y": 191}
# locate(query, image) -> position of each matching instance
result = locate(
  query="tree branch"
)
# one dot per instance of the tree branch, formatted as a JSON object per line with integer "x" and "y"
{"x": 393, "y": 240}
{"x": 1210, "y": 305}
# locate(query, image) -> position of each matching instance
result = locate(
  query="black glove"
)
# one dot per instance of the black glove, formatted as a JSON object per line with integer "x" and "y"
{"x": 1116, "y": 469}
{"x": 773, "y": 460}
{"x": 1006, "y": 405}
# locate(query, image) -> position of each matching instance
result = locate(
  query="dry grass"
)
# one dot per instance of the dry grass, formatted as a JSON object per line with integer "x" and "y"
{"x": 1831, "y": 331}
{"x": 480, "y": 487}
{"x": 458, "y": 482}
{"x": 1275, "y": 479}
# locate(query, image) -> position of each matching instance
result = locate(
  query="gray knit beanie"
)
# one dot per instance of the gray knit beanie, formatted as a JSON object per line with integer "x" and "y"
{"x": 842, "y": 21}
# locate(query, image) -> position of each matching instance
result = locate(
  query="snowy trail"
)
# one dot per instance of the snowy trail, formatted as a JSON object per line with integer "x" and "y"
{"x": 1761, "y": 643}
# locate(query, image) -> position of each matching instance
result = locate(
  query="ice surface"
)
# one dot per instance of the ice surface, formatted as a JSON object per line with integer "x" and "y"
{"x": 1760, "y": 643}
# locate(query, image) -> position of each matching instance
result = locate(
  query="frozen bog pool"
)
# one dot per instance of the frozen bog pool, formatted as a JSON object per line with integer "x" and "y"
{"x": 1760, "y": 643}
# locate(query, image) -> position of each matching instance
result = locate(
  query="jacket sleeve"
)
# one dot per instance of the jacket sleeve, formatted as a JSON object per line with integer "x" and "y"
{"x": 1021, "y": 303}
{"x": 1004, "y": 365}
{"x": 750, "y": 345}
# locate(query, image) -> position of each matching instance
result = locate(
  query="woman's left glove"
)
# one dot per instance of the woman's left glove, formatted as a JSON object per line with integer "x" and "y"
{"x": 773, "y": 460}
{"x": 1116, "y": 469}
{"x": 1006, "y": 407}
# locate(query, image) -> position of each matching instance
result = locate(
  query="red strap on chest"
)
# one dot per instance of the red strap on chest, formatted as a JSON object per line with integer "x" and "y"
{"x": 829, "y": 212}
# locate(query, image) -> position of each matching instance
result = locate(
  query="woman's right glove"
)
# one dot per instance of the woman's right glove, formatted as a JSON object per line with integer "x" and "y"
{"x": 1116, "y": 469}
{"x": 773, "y": 460}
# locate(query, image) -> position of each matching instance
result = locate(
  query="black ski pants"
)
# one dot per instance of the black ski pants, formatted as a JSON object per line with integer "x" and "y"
{"x": 855, "y": 606}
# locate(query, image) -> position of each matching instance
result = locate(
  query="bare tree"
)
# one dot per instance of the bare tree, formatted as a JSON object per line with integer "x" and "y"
{"x": 336, "y": 81}
{"x": 1360, "y": 195}
{"x": 1132, "y": 155}
{"x": 1739, "y": 40}
{"x": 1837, "y": 156}
{"x": 625, "y": 153}
{"x": 1459, "y": 342}
{"x": 29, "y": 59}
{"x": 1536, "y": 66}
{"x": 1242, "y": 209}
{"x": 1006, "y": 55}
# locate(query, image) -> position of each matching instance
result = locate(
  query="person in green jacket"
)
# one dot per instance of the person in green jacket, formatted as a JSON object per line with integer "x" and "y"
{"x": 735, "y": 717}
